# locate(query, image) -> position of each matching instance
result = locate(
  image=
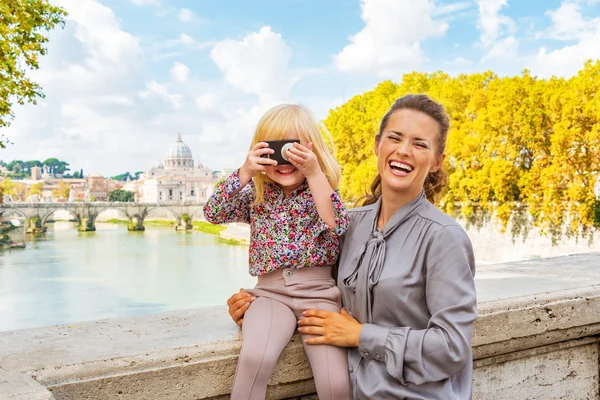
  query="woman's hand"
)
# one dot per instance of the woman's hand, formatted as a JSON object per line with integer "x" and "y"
{"x": 255, "y": 163}
{"x": 304, "y": 159}
{"x": 338, "y": 329}
{"x": 238, "y": 304}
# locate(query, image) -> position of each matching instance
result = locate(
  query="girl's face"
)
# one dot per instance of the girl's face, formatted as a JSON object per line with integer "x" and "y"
{"x": 287, "y": 177}
{"x": 407, "y": 152}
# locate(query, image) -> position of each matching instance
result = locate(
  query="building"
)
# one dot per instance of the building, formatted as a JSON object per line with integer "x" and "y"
{"x": 98, "y": 187}
{"x": 36, "y": 173}
{"x": 175, "y": 179}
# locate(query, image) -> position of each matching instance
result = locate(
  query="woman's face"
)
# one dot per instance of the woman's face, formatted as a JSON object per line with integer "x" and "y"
{"x": 407, "y": 152}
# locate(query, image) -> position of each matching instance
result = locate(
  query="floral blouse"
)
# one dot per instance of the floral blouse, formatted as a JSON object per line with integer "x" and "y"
{"x": 285, "y": 232}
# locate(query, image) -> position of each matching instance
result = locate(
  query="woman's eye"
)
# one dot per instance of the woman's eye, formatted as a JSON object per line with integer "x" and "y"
{"x": 395, "y": 138}
{"x": 422, "y": 145}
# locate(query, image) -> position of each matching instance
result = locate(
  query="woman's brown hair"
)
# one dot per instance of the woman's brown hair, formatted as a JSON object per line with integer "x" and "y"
{"x": 435, "y": 181}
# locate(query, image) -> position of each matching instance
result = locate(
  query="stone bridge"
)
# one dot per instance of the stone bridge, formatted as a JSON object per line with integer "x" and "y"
{"x": 37, "y": 214}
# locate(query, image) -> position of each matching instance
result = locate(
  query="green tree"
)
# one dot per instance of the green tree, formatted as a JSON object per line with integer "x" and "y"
{"x": 24, "y": 28}
{"x": 51, "y": 163}
{"x": 61, "y": 167}
{"x": 121, "y": 195}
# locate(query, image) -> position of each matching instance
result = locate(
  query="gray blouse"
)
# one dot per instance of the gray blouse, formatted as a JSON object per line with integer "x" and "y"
{"x": 412, "y": 288}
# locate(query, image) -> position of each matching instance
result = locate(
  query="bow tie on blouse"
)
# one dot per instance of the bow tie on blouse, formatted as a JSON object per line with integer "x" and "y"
{"x": 367, "y": 264}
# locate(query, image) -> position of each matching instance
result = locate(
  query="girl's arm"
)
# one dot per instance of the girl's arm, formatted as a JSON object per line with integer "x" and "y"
{"x": 329, "y": 205}
{"x": 232, "y": 198}
{"x": 230, "y": 202}
{"x": 321, "y": 192}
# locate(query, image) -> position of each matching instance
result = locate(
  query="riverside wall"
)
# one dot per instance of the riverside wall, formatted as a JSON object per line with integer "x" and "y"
{"x": 537, "y": 345}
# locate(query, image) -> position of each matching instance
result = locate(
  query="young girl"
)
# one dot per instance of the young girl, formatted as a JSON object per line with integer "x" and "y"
{"x": 295, "y": 218}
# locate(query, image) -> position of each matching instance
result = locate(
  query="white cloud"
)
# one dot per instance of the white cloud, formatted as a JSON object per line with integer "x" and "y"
{"x": 186, "y": 15}
{"x": 154, "y": 88}
{"x": 445, "y": 9}
{"x": 145, "y": 2}
{"x": 491, "y": 22}
{"x": 461, "y": 62}
{"x": 206, "y": 101}
{"x": 92, "y": 116}
{"x": 568, "y": 24}
{"x": 390, "y": 42}
{"x": 256, "y": 64}
{"x": 503, "y": 49}
{"x": 497, "y": 31}
{"x": 180, "y": 72}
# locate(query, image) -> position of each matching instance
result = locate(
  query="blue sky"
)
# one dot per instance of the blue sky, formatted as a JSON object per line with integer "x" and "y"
{"x": 125, "y": 76}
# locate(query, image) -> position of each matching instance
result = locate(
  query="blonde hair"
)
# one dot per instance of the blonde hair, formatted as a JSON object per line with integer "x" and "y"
{"x": 278, "y": 123}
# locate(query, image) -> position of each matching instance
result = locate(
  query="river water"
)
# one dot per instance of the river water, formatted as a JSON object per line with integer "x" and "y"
{"x": 65, "y": 276}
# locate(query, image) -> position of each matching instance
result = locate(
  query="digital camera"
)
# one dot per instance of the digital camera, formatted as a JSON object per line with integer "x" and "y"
{"x": 280, "y": 147}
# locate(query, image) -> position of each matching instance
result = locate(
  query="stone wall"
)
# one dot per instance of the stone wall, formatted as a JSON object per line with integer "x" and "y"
{"x": 540, "y": 346}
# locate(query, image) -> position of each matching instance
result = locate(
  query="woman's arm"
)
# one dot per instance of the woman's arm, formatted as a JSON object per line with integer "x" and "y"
{"x": 444, "y": 347}
{"x": 230, "y": 202}
{"x": 237, "y": 305}
{"x": 417, "y": 355}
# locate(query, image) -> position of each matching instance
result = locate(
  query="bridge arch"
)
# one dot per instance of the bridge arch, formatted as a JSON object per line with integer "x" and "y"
{"x": 13, "y": 211}
{"x": 169, "y": 209}
{"x": 120, "y": 210}
{"x": 198, "y": 212}
{"x": 50, "y": 213}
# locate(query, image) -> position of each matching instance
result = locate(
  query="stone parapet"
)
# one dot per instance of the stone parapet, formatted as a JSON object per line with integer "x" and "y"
{"x": 541, "y": 346}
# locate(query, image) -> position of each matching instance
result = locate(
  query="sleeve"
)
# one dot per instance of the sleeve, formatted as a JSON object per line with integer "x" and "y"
{"x": 442, "y": 349}
{"x": 340, "y": 214}
{"x": 222, "y": 207}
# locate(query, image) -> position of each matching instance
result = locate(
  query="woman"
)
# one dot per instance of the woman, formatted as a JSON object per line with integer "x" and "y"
{"x": 405, "y": 272}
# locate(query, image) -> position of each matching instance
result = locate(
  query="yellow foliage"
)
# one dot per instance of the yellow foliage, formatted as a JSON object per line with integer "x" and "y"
{"x": 514, "y": 142}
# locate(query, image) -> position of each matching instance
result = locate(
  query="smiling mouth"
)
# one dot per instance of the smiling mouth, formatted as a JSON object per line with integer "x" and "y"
{"x": 286, "y": 171}
{"x": 400, "y": 168}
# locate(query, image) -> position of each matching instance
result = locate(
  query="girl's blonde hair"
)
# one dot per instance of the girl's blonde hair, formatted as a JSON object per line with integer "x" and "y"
{"x": 278, "y": 123}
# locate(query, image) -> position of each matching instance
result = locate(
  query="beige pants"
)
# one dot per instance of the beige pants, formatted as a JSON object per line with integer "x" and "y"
{"x": 270, "y": 322}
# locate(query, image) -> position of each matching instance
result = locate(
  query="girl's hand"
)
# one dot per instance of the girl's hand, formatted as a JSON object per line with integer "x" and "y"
{"x": 338, "y": 329}
{"x": 254, "y": 163}
{"x": 304, "y": 159}
{"x": 238, "y": 304}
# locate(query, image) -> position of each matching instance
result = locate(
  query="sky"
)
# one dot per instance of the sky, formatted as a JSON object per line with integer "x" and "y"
{"x": 125, "y": 76}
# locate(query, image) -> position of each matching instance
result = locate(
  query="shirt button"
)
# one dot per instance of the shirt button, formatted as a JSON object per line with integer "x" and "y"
{"x": 377, "y": 356}
{"x": 351, "y": 369}
{"x": 288, "y": 273}
{"x": 367, "y": 354}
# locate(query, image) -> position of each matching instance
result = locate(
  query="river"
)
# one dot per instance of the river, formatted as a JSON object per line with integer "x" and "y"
{"x": 66, "y": 276}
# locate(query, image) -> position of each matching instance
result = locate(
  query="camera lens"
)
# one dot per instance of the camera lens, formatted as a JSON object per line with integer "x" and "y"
{"x": 284, "y": 150}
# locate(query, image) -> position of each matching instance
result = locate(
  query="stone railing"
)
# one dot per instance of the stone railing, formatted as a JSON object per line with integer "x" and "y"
{"x": 541, "y": 346}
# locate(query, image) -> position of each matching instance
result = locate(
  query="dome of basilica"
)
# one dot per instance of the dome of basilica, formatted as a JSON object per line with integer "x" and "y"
{"x": 179, "y": 155}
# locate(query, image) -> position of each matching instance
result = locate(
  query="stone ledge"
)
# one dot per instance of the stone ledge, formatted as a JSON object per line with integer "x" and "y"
{"x": 20, "y": 386}
{"x": 192, "y": 354}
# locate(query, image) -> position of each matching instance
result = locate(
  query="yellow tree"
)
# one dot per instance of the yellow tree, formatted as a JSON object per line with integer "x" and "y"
{"x": 36, "y": 188}
{"x": 353, "y": 127}
{"x": 8, "y": 187}
{"x": 518, "y": 146}
{"x": 62, "y": 192}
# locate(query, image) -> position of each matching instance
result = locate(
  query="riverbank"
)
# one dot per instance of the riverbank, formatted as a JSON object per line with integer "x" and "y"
{"x": 200, "y": 226}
